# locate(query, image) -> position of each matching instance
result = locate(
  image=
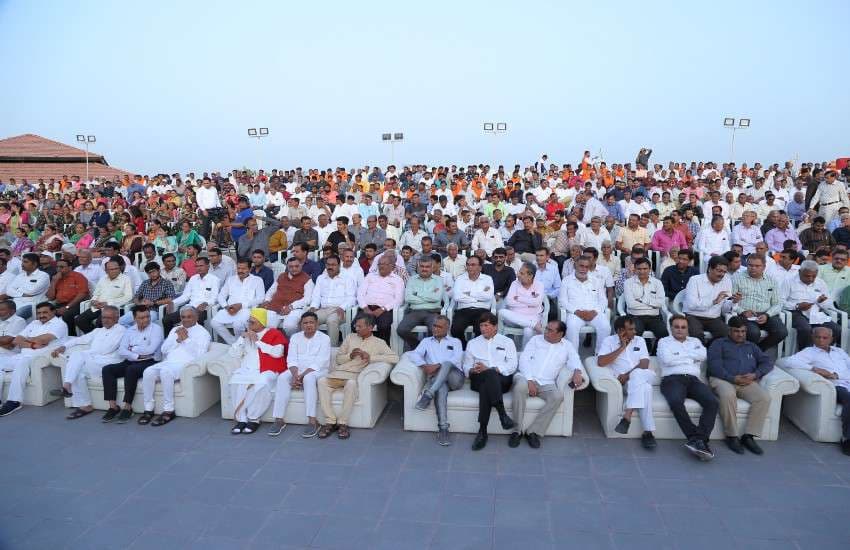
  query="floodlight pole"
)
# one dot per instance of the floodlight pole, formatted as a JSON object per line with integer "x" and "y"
{"x": 86, "y": 139}
{"x": 393, "y": 138}
{"x": 734, "y": 128}
{"x": 258, "y": 134}
{"x": 494, "y": 129}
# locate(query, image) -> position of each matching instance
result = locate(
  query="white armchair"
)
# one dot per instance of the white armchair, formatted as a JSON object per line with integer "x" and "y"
{"x": 194, "y": 393}
{"x": 370, "y": 403}
{"x": 813, "y": 409}
{"x": 609, "y": 403}
{"x": 463, "y": 404}
{"x": 43, "y": 378}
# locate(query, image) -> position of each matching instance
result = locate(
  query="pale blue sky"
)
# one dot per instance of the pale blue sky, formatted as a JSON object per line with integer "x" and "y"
{"x": 173, "y": 86}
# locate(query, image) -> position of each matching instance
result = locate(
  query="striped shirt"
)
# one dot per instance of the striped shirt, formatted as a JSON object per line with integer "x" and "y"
{"x": 759, "y": 295}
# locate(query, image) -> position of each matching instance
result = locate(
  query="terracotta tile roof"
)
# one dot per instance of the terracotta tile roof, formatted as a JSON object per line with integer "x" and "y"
{"x": 32, "y": 157}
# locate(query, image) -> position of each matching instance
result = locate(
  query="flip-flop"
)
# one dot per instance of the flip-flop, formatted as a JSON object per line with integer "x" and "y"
{"x": 146, "y": 418}
{"x": 78, "y": 413}
{"x": 343, "y": 432}
{"x": 163, "y": 419}
{"x": 238, "y": 428}
{"x": 251, "y": 427}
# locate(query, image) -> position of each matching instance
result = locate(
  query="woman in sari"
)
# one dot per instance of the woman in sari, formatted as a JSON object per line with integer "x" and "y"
{"x": 132, "y": 242}
{"x": 23, "y": 243}
{"x": 87, "y": 213}
{"x": 185, "y": 237}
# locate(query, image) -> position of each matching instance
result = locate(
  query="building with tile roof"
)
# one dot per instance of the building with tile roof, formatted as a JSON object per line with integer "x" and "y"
{"x": 31, "y": 157}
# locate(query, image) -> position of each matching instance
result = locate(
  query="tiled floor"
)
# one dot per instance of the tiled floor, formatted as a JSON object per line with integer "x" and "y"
{"x": 190, "y": 484}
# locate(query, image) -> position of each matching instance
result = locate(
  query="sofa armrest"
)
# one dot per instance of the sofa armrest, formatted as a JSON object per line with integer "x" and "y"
{"x": 813, "y": 383}
{"x": 564, "y": 377}
{"x": 223, "y": 366}
{"x": 374, "y": 374}
{"x": 603, "y": 381}
{"x": 408, "y": 375}
{"x": 778, "y": 383}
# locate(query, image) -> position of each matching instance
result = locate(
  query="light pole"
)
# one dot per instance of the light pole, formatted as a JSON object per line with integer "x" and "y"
{"x": 494, "y": 129}
{"x": 729, "y": 122}
{"x": 258, "y": 134}
{"x": 86, "y": 139}
{"x": 392, "y": 138}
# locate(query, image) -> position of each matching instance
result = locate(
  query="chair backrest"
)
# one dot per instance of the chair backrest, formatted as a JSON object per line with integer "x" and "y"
{"x": 621, "y": 304}
{"x": 676, "y": 306}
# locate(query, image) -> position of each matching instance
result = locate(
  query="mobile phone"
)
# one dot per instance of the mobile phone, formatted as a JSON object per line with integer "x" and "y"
{"x": 572, "y": 384}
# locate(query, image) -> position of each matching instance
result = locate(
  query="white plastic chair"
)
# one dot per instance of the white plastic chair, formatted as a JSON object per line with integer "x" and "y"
{"x": 512, "y": 331}
{"x": 647, "y": 334}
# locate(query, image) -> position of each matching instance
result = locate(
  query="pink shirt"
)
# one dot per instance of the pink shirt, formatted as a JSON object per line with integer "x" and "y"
{"x": 525, "y": 301}
{"x": 663, "y": 242}
{"x": 386, "y": 292}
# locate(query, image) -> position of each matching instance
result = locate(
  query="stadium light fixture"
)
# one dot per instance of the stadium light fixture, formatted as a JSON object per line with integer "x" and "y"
{"x": 392, "y": 138}
{"x": 258, "y": 135}
{"x": 729, "y": 123}
{"x": 86, "y": 139}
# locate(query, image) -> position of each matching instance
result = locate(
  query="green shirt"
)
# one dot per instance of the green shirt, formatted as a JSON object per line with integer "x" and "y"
{"x": 424, "y": 294}
{"x": 835, "y": 280}
{"x": 760, "y": 295}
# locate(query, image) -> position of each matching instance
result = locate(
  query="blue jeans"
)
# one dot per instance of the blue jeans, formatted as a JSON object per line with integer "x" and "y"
{"x": 439, "y": 384}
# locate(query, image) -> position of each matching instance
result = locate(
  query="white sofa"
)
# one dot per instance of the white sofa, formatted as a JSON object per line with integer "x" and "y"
{"x": 370, "y": 403}
{"x": 194, "y": 393}
{"x": 609, "y": 403}
{"x": 463, "y": 404}
{"x": 43, "y": 378}
{"x": 813, "y": 409}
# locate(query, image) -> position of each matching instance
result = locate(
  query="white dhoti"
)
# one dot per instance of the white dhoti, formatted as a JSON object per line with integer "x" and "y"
{"x": 290, "y": 323}
{"x": 222, "y": 321}
{"x": 78, "y": 369}
{"x": 639, "y": 396}
{"x": 250, "y": 401}
{"x": 284, "y": 390}
{"x": 600, "y": 323}
{"x": 525, "y": 322}
{"x": 166, "y": 372}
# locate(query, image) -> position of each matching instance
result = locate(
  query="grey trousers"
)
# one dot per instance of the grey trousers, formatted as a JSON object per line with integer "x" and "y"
{"x": 439, "y": 384}
{"x": 548, "y": 393}
{"x": 411, "y": 320}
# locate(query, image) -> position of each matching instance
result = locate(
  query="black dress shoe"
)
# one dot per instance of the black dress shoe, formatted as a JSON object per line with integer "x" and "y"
{"x": 514, "y": 439}
{"x": 734, "y": 445}
{"x": 480, "y": 441}
{"x": 647, "y": 440}
{"x": 507, "y": 422}
{"x": 749, "y": 442}
{"x": 845, "y": 447}
{"x": 533, "y": 440}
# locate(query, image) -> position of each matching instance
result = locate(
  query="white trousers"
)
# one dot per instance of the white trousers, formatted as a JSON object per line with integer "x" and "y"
{"x": 166, "y": 372}
{"x": 291, "y": 321}
{"x": 600, "y": 323}
{"x": 254, "y": 398}
{"x": 19, "y": 366}
{"x": 283, "y": 391}
{"x": 78, "y": 369}
{"x": 639, "y": 396}
{"x": 525, "y": 322}
{"x": 222, "y": 321}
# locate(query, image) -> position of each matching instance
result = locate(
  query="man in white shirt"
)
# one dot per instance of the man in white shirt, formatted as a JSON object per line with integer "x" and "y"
{"x": 115, "y": 289}
{"x": 10, "y": 326}
{"x": 201, "y": 293}
{"x": 746, "y": 233}
{"x": 237, "y": 296}
{"x": 171, "y": 272}
{"x": 28, "y": 287}
{"x": 188, "y": 342}
{"x": 490, "y": 361}
{"x": 832, "y": 363}
{"x": 38, "y": 338}
{"x": 645, "y": 298}
{"x": 333, "y": 295}
{"x": 707, "y": 297}
{"x": 101, "y": 349}
{"x": 539, "y": 366}
{"x": 628, "y": 358}
{"x": 714, "y": 240}
{"x": 307, "y": 360}
{"x": 207, "y": 198}
{"x": 473, "y": 295}
{"x": 584, "y": 301}
{"x": 807, "y": 298}
{"x": 783, "y": 270}
{"x": 680, "y": 357}
{"x": 595, "y": 234}
{"x": 486, "y": 238}
{"x": 220, "y": 265}
{"x": 90, "y": 270}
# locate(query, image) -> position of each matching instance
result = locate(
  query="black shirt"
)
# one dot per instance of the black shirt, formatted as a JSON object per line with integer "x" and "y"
{"x": 501, "y": 279}
{"x": 674, "y": 281}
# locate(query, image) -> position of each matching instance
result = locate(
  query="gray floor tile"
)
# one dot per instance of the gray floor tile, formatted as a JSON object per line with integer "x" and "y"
{"x": 237, "y": 522}
{"x": 691, "y": 520}
{"x": 404, "y": 506}
{"x": 365, "y": 504}
{"x": 290, "y": 528}
{"x": 462, "y": 510}
{"x": 635, "y": 519}
{"x": 570, "y": 517}
{"x": 261, "y": 494}
{"x": 583, "y": 540}
{"x": 631, "y": 541}
{"x": 151, "y": 540}
{"x": 51, "y": 533}
{"x": 521, "y": 514}
{"x": 107, "y": 537}
{"x": 527, "y": 538}
{"x": 471, "y": 484}
{"x": 461, "y": 537}
{"x": 345, "y": 532}
{"x": 394, "y": 534}
{"x": 302, "y": 498}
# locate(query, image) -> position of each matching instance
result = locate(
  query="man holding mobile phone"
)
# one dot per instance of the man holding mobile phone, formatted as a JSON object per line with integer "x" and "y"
{"x": 707, "y": 298}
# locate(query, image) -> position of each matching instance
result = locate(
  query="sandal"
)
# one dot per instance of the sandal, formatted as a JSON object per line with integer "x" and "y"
{"x": 164, "y": 418}
{"x": 238, "y": 428}
{"x": 251, "y": 427}
{"x": 78, "y": 413}
{"x": 146, "y": 418}
{"x": 326, "y": 430}
{"x": 343, "y": 432}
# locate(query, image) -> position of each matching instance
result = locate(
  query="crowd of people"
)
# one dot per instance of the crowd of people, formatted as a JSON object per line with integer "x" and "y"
{"x": 134, "y": 278}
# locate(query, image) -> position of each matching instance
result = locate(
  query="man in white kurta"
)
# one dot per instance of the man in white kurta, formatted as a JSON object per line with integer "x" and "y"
{"x": 38, "y": 338}
{"x": 186, "y": 342}
{"x": 586, "y": 304}
{"x": 10, "y": 326}
{"x": 307, "y": 360}
{"x": 627, "y": 356}
{"x": 85, "y": 358}
{"x": 261, "y": 352}
{"x": 238, "y": 295}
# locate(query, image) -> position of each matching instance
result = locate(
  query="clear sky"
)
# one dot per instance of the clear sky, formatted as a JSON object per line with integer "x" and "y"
{"x": 173, "y": 86}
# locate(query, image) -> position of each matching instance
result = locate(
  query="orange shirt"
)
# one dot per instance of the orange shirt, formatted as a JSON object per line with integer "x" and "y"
{"x": 68, "y": 287}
